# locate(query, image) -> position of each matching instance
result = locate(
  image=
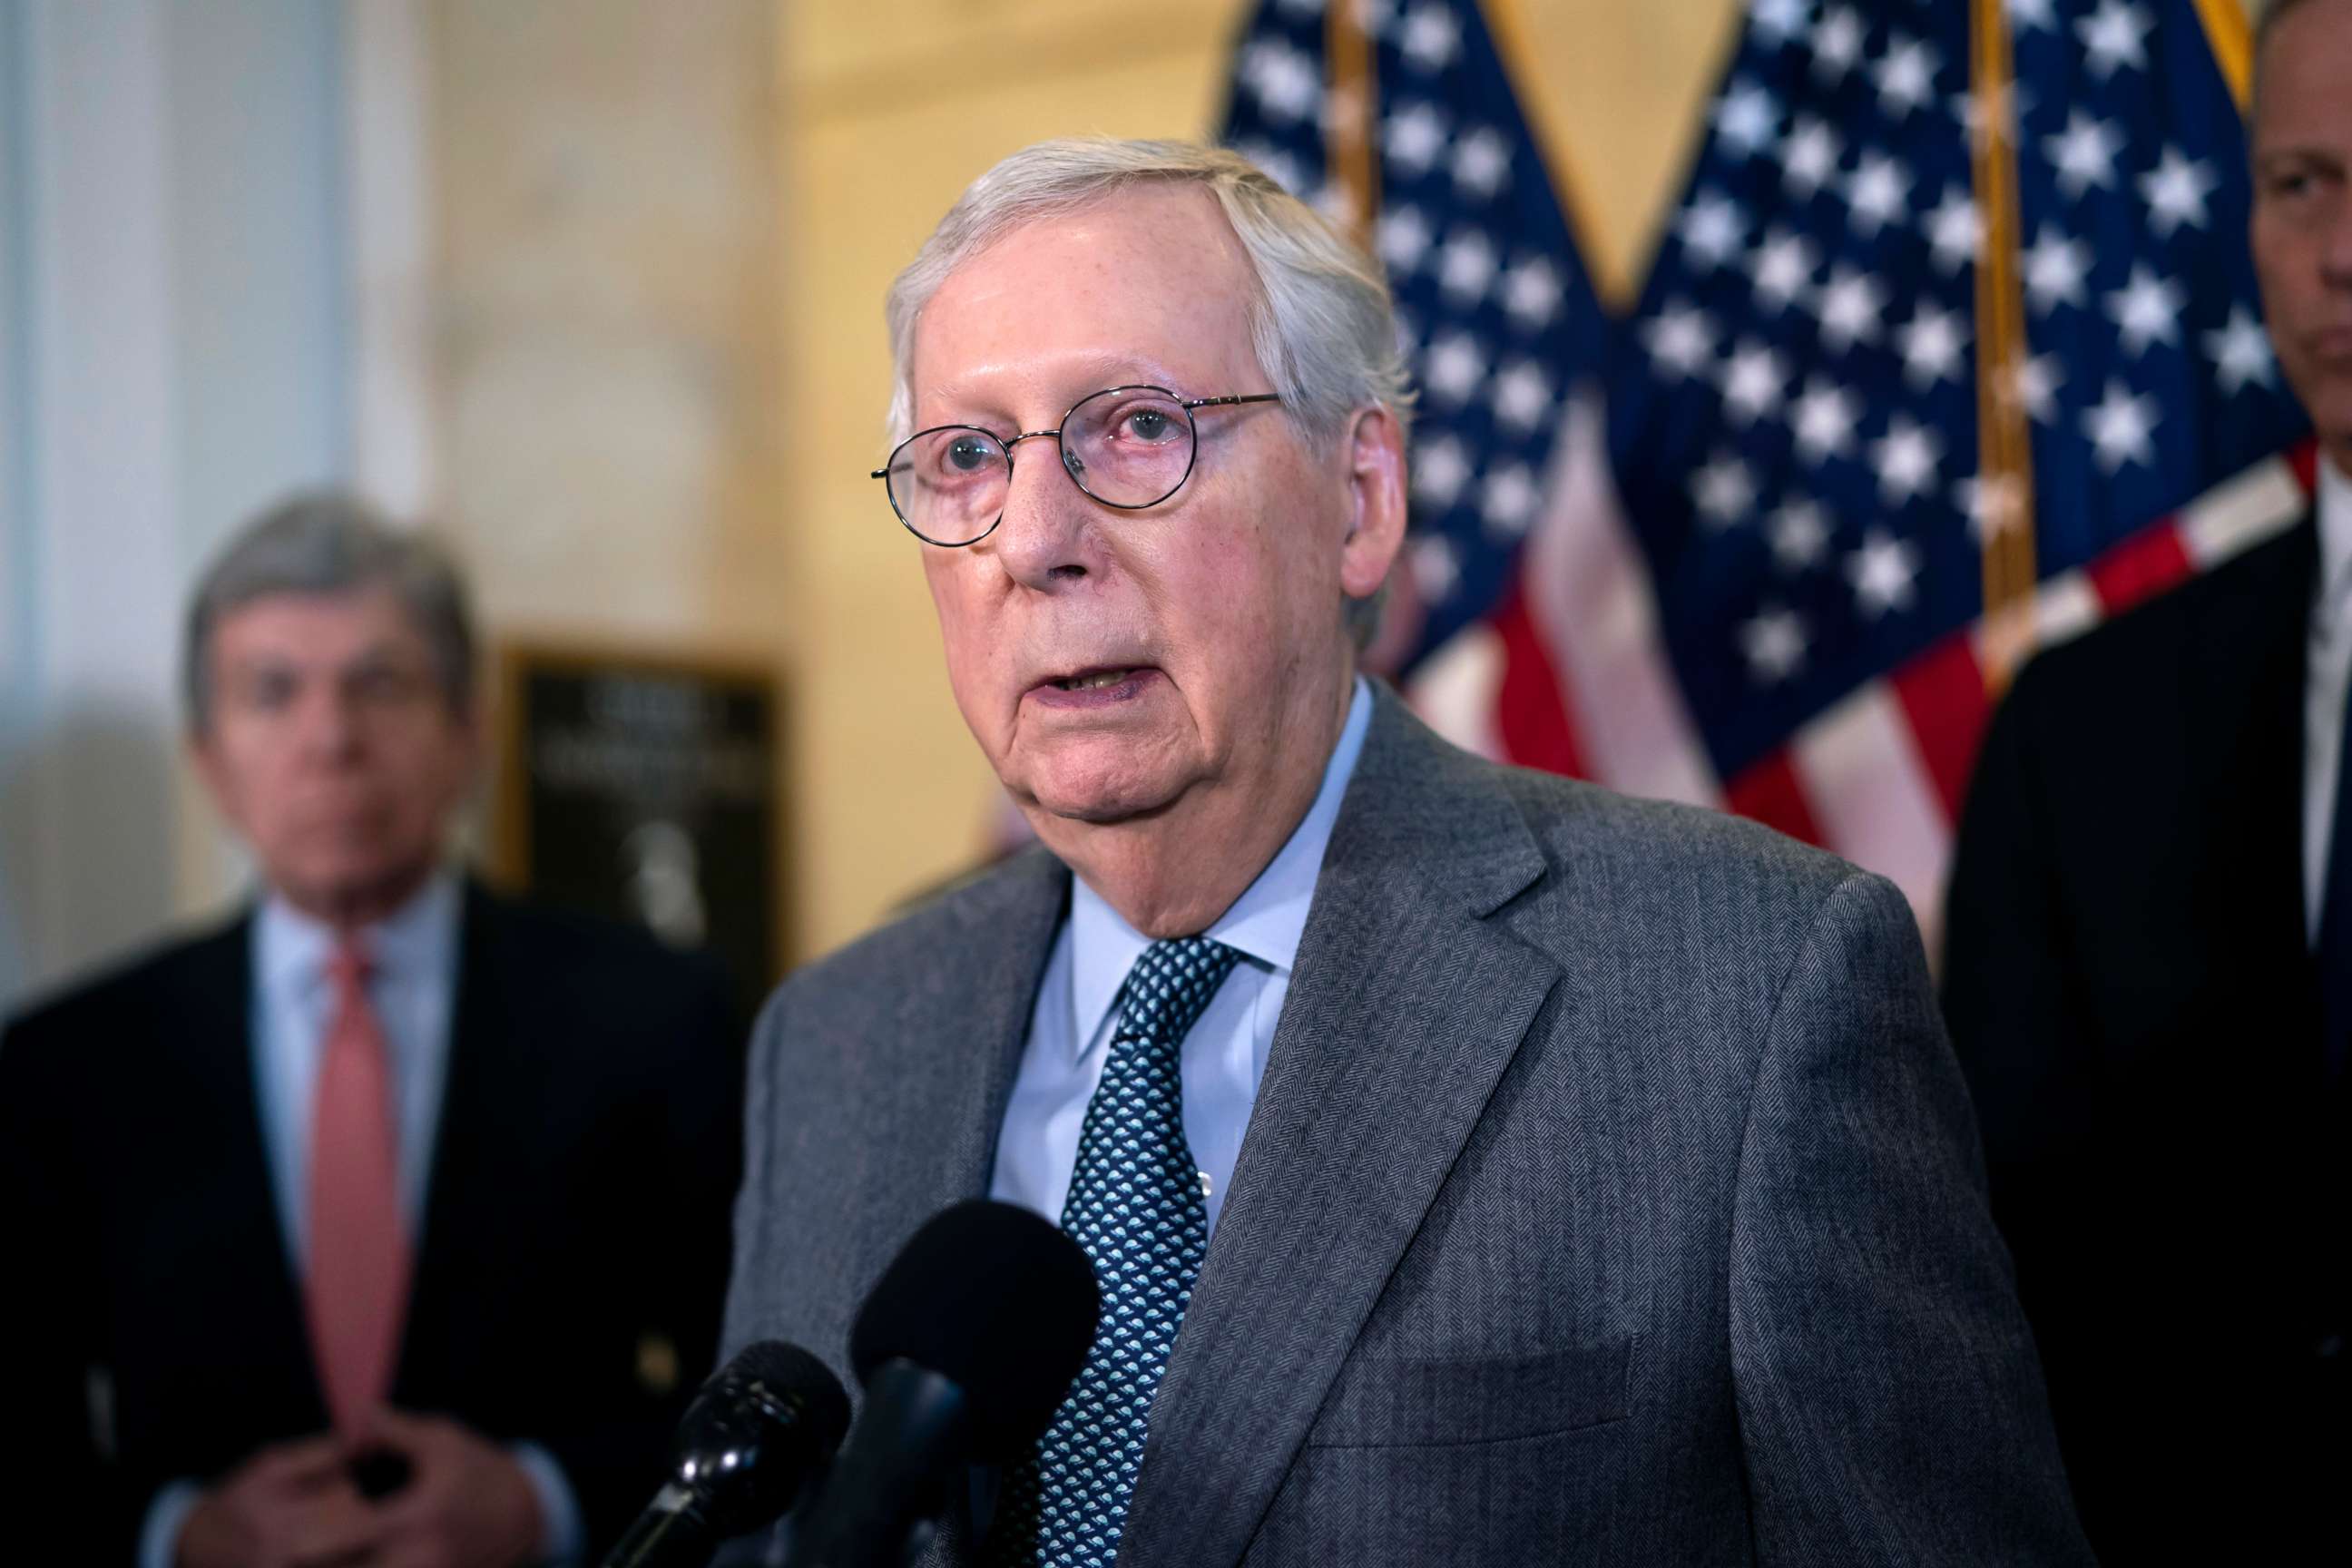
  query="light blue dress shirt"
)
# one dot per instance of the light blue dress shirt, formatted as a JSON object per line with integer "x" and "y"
{"x": 413, "y": 986}
{"x": 1223, "y": 1059}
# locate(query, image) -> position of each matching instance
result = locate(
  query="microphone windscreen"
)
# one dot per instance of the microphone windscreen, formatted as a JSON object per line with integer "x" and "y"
{"x": 997, "y": 1301}
{"x": 764, "y": 1424}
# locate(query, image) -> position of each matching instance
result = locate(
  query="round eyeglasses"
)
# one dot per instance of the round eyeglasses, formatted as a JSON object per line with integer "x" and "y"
{"x": 1127, "y": 447}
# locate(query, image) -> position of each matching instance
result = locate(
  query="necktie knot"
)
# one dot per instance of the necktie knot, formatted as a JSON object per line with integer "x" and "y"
{"x": 1171, "y": 985}
{"x": 351, "y": 966}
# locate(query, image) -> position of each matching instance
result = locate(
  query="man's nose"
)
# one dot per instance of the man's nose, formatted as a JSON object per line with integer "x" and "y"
{"x": 330, "y": 723}
{"x": 1045, "y": 539}
{"x": 2335, "y": 244}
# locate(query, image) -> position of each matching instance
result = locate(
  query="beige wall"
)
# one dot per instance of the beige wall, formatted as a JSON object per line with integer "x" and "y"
{"x": 889, "y": 107}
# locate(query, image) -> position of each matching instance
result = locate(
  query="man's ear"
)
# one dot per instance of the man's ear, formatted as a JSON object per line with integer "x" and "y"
{"x": 1374, "y": 444}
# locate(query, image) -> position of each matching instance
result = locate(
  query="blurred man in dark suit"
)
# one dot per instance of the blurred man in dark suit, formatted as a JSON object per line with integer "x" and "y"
{"x": 385, "y": 1224}
{"x": 2150, "y": 976}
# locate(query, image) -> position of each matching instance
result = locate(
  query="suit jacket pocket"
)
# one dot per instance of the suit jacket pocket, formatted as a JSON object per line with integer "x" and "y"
{"x": 1383, "y": 1402}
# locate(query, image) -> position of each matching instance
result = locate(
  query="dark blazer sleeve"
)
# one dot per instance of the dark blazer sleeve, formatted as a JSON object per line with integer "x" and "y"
{"x": 1891, "y": 1407}
{"x": 50, "y": 1465}
{"x": 2005, "y": 958}
{"x": 676, "y": 1257}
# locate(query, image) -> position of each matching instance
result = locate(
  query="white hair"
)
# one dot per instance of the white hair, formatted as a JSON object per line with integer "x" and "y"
{"x": 1320, "y": 320}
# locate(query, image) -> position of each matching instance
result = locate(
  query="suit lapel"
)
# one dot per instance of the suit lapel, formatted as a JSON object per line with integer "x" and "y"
{"x": 212, "y": 1010}
{"x": 1018, "y": 919}
{"x": 1404, "y": 1009}
{"x": 479, "y": 1138}
{"x": 2245, "y": 746}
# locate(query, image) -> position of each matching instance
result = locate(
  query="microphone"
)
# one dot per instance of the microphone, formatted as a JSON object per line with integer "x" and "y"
{"x": 762, "y": 1424}
{"x": 966, "y": 1347}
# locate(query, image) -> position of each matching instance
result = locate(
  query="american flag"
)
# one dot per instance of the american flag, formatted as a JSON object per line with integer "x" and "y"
{"x": 1751, "y": 569}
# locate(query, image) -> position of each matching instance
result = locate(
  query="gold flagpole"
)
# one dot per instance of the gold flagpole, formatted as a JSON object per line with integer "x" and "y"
{"x": 1349, "y": 130}
{"x": 2005, "y": 438}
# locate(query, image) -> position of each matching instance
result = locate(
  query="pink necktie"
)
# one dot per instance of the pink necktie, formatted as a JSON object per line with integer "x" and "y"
{"x": 359, "y": 1243}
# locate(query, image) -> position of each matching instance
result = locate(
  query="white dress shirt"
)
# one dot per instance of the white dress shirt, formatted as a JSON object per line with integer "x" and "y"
{"x": 1222, "y": 1057}
{"x": 413, "y": 986}
{"x": 2328, "y": 671}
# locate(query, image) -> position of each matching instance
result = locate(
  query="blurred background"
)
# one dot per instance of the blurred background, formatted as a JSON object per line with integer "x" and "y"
{"x": 592, "y": 286}
{"x": 595, "y": 288}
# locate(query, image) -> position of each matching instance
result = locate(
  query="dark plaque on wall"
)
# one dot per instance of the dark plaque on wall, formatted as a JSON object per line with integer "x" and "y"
{"x": 644, "y": 788}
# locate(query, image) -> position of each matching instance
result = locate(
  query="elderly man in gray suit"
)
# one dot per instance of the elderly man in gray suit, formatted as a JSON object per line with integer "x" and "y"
{"x": 1535, "y": 1175}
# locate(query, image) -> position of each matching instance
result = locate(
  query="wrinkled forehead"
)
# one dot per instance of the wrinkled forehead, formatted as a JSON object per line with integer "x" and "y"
{"x": 1150, "y": 280}
{"x": 2303, "y": 83}
{"x": 328, "y": 624}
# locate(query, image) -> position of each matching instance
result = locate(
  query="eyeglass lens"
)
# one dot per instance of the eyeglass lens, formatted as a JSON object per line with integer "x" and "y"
{"x": 1129, "y": 447}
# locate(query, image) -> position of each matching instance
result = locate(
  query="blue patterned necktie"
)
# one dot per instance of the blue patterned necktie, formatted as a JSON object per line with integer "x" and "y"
{"x": 1135, "y": 1206}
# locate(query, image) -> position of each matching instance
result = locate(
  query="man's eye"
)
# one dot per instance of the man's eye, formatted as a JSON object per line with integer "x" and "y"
{"x": 268, "y": 694}
{"x": 385, "y": 685}
{"x": 970, "y": 455}
{"x": 1148, "y": 424}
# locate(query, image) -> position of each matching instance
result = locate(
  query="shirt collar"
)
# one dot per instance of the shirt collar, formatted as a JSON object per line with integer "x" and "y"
{"x": 2334, "y": 530}
{"x": 415, "y": 941}
{"x": 1263, "y": 924}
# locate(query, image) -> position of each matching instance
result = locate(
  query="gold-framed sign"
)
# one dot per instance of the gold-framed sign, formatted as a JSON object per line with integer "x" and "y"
{"x": 642, "y": 785}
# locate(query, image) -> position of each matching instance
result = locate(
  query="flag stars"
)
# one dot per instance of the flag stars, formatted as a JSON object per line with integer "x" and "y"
{"x": 1413, "y": 137}
{"x": 2084, "y": 154}
{"x": 1933, "y": 344}
{"x": 1754, "y": 381}
{"x": 1850, "y": 304}
{"x": 1776, "y": 22}
{"x": 1824, "y": 419}
{"x": 1522, "y": 396}
{"x": 1782, "y": 269}
{"x": 2035, "y": 387}
{"x": 1878, "y": 195}
{"x": 2114, "y": 36}
{"x": 1809, "y": 161}
{"x": 1436, "y": 568}
{"x": 1440, "y": 469}
{"x": 1955, "y": 232}
{"x": 1509, "y": 503}
{"x": 1430, "y": 37}
{"x": 1532, "y": 292}
{"x": 1482, "y": 164}
{"x": 2176, "y": 192}
{"x": 1724, "y": 491}
{"x": 1681, "y": 338}
{"x": 1995, "y": 506}
{"x": 1284, "y": 79}
{"x": 1885, "y": 574}
{"x": 1745, "y": 120}
{"x": 2146, "y": 311}
{"x": 1403, "y": 238}
{"x": 1712, "y": 230}
{"x": 2056, "y": 269}
{"x": 1775, "y": 645}
{"x": 1799, "y": 535}
{"x": 1837, "y": 44}
{"x": 1907, "y": 459}
{"x": 1454, "y": 367}
{"x": 2241, "y": 352}
{"x": 1466, "y": 265}
{"x": 1906, "y": 77}
{"x": 2032, "y": 15}
{"x": 2122, "y": 429}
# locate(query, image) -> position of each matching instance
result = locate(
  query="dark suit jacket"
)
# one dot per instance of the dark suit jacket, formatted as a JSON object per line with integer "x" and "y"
{"x": 584, "y": 1161}
{"x": 1610, "y": 1196}
{"x": 2132, "y": 997}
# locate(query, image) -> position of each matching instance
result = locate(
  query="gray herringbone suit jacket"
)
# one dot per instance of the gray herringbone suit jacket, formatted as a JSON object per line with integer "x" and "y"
{"x": 1611, "y": 1197}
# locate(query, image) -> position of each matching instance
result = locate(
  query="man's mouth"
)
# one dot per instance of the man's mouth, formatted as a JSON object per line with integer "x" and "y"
{"x": 1091, "y": 680}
